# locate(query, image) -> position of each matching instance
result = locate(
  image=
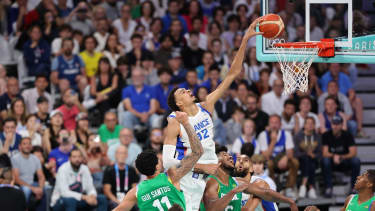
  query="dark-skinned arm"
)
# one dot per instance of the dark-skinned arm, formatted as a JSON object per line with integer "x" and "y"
{"x": 270, "y": 195}
{"x": 129, "y": 201}
{"x": 252, "y": 204}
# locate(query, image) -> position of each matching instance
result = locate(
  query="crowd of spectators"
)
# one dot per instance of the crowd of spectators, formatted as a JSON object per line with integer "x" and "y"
{"x": 90, "y": 87}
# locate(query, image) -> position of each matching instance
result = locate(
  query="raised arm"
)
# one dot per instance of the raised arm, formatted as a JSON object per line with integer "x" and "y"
{"x": 169, "y": 146}
{"x": 270, "y": 195}
{"x": 234, "y": 70}
{"x": 188, "y": 162}
{"x": 252, "y": 203}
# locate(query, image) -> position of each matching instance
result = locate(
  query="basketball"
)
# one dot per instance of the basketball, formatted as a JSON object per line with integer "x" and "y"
{"x": 271, "y": 25}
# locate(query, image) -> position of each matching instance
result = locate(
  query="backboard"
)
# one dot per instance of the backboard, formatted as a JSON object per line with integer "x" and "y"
{"x": 351, "y": 23}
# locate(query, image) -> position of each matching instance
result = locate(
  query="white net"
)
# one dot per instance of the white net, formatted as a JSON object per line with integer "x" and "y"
{"x": 294, "y": 64}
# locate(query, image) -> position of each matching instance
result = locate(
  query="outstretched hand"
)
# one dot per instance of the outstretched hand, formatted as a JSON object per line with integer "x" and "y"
{"x": 251, "y": 31}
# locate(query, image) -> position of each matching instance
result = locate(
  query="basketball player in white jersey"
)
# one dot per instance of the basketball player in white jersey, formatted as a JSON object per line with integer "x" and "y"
{"x": 244, "y": 168}
{"x": 176, "y": 143}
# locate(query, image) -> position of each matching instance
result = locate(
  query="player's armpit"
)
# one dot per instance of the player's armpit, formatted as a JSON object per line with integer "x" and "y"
{"x": 129, "y": 201}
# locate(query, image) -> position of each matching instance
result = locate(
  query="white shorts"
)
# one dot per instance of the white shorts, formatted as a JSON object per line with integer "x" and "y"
{"x": 193, "y": 185}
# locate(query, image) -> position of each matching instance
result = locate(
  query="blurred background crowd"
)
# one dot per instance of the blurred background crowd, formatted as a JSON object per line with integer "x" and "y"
{"x": 84, "y": 85}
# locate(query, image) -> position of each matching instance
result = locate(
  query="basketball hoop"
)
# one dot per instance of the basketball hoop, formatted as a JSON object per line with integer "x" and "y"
{"x": 295, "y": 66}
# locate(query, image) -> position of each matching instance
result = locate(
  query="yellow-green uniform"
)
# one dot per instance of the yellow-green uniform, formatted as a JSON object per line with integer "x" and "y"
{"x": 159, "y": 194}
{"x": 235, "y": 204}
{"x": 354, "y": 206}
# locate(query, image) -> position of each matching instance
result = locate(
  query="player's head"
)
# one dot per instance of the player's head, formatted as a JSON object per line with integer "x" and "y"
{"x": 258, "y": 162}
{"x": 366, "y": 181}
{"x": 148, "y": 163}
{"x": 225, "y": 159}
{"x": 243, "y": 166}
{"x": 179, "y": 98}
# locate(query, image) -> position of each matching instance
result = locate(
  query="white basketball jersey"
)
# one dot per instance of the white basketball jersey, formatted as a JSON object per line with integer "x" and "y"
{"x": 204, "y": 127}
{"x": 264, "y": 205}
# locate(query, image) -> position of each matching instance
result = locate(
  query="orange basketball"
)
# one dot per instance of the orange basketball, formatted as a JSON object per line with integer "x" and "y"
{"x": 271, "y": 25}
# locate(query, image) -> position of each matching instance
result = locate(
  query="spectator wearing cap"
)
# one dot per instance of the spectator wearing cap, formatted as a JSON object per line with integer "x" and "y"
{"x": 308, "y": 150}
{"x": 65, "y": 32}
{"x": 273, "y": 101}
{"x": 191, "y": 81}
{"x": 339, "y": 154}
{"x": 125, "y": 20}
{"x": 109, "y": 132}
{"x": 90, "y": 56}
{"x": 68, "y": 65}
{"x": 213, "y": 80}
{"x": 36, "y": 53}
{"x": 163, "y": 89}
{"x": 70, "y": 109}
{"x": 13, "y": 92}
{"x": 178, "y": 71}
{"x": 330, "y": 110}
{"x": 192, "y": 52}
{"x": 119, "y": 178}
{"x": 51, "y": 133}
{"x": 165, "y": 51}
{"x": 60, "y": 154}
{"x": 42, "y": 105}
{"x": 126, "y": 139}
{"x": 25, "y": 166}
{"x": 31, "y": 95}
{"x": 9, "y": 139}
{"x": 172, "y": 14}
{"x": 140, "y": 103}
{"x": 334, "y": 73}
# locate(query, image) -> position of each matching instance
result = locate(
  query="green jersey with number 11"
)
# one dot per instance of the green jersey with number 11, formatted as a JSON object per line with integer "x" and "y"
{"x": 159, "y": 194}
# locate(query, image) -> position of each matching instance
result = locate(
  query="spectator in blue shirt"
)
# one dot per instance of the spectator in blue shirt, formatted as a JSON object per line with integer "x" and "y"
{"x": 163, "y": 89}
{"x": 191, "y": 81}
{"x": 178, "y": 72}
{"x": 334, "y": 74}
{"x": 213, "y": 80}
{"x": 9, "y": 139}
{"x": 68, "y": 65}
{"x": 139, "y": 102}
{"x": 173, "y": 14}
{"x": 37, "y": 53}
{"x": 60, "y": 155}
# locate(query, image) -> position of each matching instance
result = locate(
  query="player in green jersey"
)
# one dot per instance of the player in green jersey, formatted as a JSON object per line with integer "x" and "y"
{"x": 162, "y": 190}
{"x": 364, "y": 200}
{"x": 224, "y": 192}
